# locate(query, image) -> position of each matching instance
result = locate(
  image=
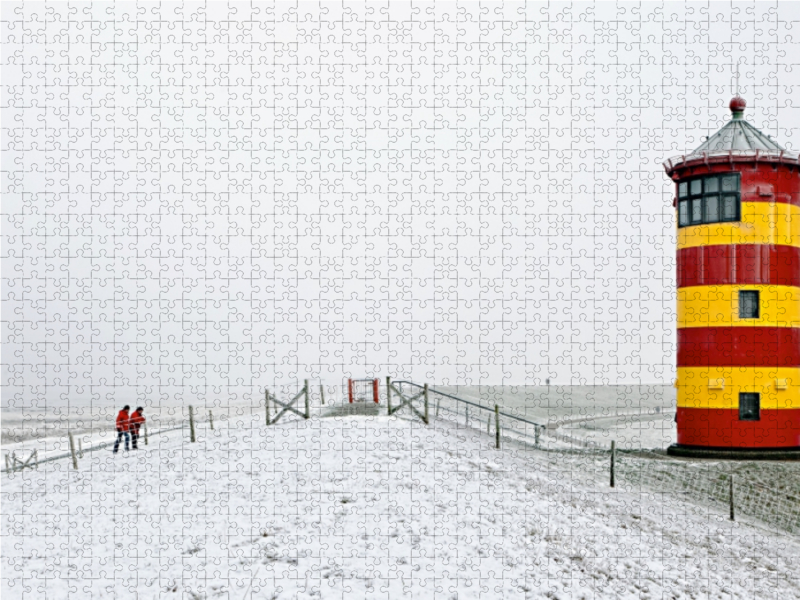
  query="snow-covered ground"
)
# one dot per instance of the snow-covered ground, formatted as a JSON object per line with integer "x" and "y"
{"x": 367, "y": 507}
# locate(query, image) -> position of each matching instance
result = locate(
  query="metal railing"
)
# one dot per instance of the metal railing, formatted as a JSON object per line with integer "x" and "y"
{"x": 470, "y": 403}
{"x": 93, "y": 448}
{"x": 636, "y": 470}
{"x": 785, "y": 156}
{"x": 515, "y": 425}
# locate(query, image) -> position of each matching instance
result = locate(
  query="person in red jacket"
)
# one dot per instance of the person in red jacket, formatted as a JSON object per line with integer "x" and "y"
{"x": 136, "y": 421}
{"x": 123, "y": 424}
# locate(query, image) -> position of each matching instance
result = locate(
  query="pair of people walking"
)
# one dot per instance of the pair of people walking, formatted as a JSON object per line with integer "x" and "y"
{"x": 128, "y": 427}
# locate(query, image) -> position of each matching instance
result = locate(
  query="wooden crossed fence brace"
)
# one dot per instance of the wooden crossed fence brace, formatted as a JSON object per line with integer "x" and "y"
{"x": 407, "y": 400}
{"x": 18, "y": 464}
{"x": 287, "y": 407}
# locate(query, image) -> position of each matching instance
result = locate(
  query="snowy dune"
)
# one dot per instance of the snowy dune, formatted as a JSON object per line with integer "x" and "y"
{"x": 367, "y": 507}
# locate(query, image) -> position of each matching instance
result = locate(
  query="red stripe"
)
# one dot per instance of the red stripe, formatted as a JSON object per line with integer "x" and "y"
{"x": 739, "y": 347}
{"x": 751, "y": 264}
{"x": 766, "y": 183}
{"x": 721, "y": 428}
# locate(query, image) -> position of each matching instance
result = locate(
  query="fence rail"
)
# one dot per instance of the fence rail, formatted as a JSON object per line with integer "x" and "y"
{"x": 712, "y": 486}
{"x": 634, "y": 470}
{"x": 469, "y": 403}
{"x": 93, "y": 448}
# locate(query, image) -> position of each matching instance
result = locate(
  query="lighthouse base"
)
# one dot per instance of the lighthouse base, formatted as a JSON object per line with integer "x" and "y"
{"x": 734, "y": 453}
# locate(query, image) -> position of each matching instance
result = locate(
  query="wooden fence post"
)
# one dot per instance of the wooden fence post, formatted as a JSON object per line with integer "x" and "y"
{"x": 466, "y": 416}
{"x": 211, "y": 419}
{"x": 731, "y": 499}
{"x": 497, "y": 426}
{"x": 308, "y": 405}
{"x": 389, "y": 393}
{"x": 488, "y": 424}
{"x": 536, "y": 435}
{"x": 427, "y": 422}
{"x": 72, "y": 451}
{"x": 191, "y": 424}
{"x": 322, "y": 393}
{"x": 8, "y": 466}
{"x": 613, "y": 459}
{"x": 146, "y": 442}
{"x": 266, "y": 406}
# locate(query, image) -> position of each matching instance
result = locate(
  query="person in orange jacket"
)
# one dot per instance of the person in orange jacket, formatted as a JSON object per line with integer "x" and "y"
{"x": 136, "y": 421}
{"x": 123, "y": 424}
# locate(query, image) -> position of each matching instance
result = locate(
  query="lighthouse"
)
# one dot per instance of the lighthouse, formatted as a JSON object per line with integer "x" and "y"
{"x": 737, "y": 199}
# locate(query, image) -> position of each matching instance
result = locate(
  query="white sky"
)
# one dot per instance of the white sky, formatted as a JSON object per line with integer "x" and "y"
{"x": 209, "y": 200}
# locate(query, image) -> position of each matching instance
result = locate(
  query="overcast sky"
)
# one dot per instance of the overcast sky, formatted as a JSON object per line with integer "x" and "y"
{"x": 206, "y": 200}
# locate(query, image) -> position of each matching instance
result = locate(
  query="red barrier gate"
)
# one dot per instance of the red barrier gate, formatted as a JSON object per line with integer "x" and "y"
{"x": 361, "y": 390}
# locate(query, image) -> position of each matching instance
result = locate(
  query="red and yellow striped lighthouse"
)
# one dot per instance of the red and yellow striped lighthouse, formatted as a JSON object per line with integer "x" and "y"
{"x": 738, "y": 270}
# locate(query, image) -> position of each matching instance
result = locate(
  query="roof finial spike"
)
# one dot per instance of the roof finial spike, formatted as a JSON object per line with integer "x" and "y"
{"x": 737, "y": 104}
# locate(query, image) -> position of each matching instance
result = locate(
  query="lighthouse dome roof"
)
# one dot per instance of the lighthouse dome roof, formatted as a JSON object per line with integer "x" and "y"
{"x": 737, "y": 141}
{"x": 738, "y": 134}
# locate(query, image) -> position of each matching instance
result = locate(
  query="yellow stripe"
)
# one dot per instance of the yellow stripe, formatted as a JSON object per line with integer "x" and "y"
{"x": 699, "y": 387}
{"x": 718, "y": 306}
{"x": 762, "y": 223}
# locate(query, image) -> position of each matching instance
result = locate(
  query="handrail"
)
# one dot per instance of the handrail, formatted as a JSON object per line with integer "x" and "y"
{"x": 784, "y": 156}
{"x": 446, "y": 395}
{"x": 99, "y": 446}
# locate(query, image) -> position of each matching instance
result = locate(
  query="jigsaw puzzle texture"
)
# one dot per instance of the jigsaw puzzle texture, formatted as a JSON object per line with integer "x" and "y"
{"x": 204, "y": 203}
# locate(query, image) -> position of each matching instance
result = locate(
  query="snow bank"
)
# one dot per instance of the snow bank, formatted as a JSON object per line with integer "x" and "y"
{"x": 366, "y": 507}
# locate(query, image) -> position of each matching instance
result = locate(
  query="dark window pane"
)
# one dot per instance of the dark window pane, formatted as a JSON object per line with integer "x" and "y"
{"x": 683, "y": 213}
{"x": 749, "y": 406}
{"x": 729, "y": 208}
{"x": 748, "y": 304}
{"x": 712, "y": 209}
{"x": 697, "y": 210}
{"x": 730, "y": 183}
{"x": 705, "y": 202}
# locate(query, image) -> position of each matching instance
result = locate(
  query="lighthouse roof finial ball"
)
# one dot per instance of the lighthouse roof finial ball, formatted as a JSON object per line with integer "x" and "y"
{"x": 737, "y": 106}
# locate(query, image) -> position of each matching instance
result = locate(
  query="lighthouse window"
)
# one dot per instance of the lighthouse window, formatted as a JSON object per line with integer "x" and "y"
{"x": 748, "y": 304}
{"x": 697, "y": 210}
{"x": 683, "y": 214}
{"x": 712, "y": 209}
{"x": 711, "y": 199}
{"x": 749, "y": 406}
{"x": 730, "y": 183}
{"x": 730, "y": 206}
